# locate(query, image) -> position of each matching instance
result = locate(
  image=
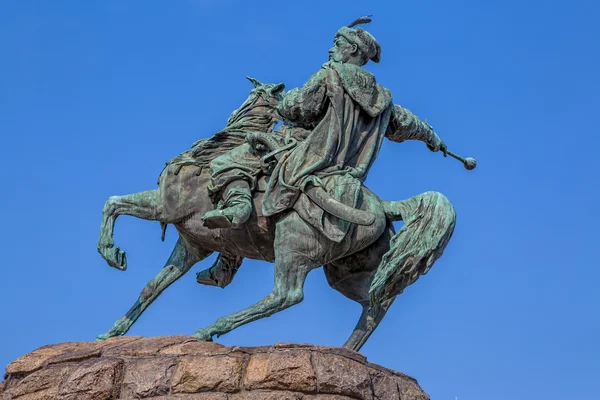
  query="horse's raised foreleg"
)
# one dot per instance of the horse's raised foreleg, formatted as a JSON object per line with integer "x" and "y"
{"x": 291, "y": 270}
{"x": 141, "y": 205}
{"x": 180, "y": 262}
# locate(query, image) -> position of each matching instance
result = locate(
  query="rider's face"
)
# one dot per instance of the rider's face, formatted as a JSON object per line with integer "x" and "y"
{"x": 342, "y": 51}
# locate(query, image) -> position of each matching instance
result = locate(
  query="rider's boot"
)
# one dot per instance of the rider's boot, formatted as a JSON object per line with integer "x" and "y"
{"x": 221, "y": 273}
{"x": 235, "y": 210}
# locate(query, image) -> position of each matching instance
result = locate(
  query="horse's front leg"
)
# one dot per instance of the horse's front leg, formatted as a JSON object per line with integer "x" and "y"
{"x": 141, "y": 205}
{"x": 180, "y": 262}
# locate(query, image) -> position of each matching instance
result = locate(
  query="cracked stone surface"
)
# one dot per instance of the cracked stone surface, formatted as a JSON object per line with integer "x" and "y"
{"x": 179, "y": 367}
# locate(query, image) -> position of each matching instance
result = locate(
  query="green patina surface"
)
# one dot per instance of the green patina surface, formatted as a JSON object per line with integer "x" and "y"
{"x": 295, "y": 196}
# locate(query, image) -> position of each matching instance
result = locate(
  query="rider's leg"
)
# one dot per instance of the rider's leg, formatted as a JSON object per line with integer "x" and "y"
{"x": 233, "y": 176}
{"x": 221, "y": 273}
{"x": 236, "y": 207}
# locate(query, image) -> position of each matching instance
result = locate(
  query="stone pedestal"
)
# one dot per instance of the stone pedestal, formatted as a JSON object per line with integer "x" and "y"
{"x": 179, "y": 367}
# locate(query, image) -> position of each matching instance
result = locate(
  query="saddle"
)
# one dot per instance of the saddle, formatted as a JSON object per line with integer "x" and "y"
{"x": 273, "y": 149}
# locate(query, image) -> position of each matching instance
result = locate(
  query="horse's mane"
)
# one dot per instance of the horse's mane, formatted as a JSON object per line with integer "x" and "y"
{"x": 256, "y": 114}
{"x": 204, "y": 151}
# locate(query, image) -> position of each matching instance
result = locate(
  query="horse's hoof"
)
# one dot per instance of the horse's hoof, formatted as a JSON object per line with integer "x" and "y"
{"x": 120, "y": 259}
{"x": 202, "y": 334}
{"x": 103, "y": 337}
{"x": 114, "y": 257}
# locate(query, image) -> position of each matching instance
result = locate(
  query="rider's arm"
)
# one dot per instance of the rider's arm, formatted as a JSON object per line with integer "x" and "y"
{"x": 303, "y": 106}
{"x": 404, "y": 125}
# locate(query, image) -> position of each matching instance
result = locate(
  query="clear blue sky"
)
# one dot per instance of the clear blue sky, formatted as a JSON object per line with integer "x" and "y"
{"x": 96, "y": 95}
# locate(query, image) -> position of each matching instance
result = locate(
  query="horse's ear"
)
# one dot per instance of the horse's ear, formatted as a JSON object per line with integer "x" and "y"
{"x": 278, "y": 88}
{"x": 255, "y": 82}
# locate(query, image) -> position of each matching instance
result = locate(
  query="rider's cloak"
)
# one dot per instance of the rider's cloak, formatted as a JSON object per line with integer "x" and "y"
{"x": 348, "y": 114}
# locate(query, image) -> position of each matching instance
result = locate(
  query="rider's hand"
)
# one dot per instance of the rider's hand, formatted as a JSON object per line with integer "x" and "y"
{"x": 438, "y": 146}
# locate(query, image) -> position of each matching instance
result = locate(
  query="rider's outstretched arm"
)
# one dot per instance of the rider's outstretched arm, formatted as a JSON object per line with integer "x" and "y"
{"x": 404, "y": 125}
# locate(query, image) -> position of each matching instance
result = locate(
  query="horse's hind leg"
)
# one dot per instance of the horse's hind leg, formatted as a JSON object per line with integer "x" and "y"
{"x": 141, "y": 205}
{"x": 180, "y": 262}
{"x": 429, "y": 221}
{"x": 369, "y": 321}
{"x": 291, "y": 269}
{"x": 352, "y": 277}
{"x": 356, "y": 287}
{"x": 288, "y": 291}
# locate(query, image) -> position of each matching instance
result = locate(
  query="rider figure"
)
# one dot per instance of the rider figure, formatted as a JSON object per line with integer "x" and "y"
{"x": 344, "y": 115}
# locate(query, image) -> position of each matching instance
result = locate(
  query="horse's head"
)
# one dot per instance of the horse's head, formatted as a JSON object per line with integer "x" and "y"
{"x": 258, "y": 113}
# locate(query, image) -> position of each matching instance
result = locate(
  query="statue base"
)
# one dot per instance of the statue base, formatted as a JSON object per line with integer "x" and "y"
{"x": 180, "y": 367}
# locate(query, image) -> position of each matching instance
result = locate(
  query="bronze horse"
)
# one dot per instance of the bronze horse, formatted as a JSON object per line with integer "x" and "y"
{"x": 371, "y": 266}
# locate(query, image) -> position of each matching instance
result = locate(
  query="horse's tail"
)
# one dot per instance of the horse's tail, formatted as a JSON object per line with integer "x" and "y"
{"x": 429, "y": 221}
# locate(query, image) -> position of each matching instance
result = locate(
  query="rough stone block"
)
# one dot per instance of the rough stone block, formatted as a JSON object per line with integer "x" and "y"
{"x": 40, "y": 385}
{"x": 340, "y": 375}
{"x": 384, "y": 386}
{"x": 195, "y": 348}
{"x": 38, "y": 358}
{"x": 147, "y": 377}
{"x": 266, "y": 395}
{"x": 281, "y": 370}
{"x": 144, "y": 347}
{"x": 200, "y": 374}
{"x": 195, "y": 396}
{"x": 410, "y": 389}
{"x": 97, "y": 380}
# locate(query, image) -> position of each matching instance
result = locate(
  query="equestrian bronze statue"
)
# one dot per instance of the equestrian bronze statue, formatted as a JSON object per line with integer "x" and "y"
{"x": 295, "y": 196}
